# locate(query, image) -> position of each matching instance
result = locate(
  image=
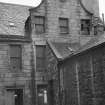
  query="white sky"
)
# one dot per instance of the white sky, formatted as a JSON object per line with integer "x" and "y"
{"x": 102, "y": 6}
{"x": 37, "y": 2}
{"x": 23, "y": 2}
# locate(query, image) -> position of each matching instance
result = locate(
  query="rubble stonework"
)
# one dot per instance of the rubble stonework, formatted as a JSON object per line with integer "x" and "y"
{"x": 17, "y": 27}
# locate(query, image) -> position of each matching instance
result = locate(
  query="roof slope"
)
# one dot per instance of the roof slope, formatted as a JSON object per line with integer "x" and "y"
{"x": 92, "y": 43}
{"x": 12, "y": 18}
{"x": 63, "y": 49}
{"x": 95, "y": 41}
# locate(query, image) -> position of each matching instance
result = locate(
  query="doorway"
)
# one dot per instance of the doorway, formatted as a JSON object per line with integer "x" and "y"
{"x": 42, "y": 97}
{"x": 14, "y": 96}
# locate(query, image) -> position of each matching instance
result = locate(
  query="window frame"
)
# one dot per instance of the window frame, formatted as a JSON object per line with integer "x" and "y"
{"x": 85, "y": 29}
{"x": 43, "y": 58}
{"x": 16, "y": 57}
{"x": 39, "y": 24}
{"x": 61, "y": 19}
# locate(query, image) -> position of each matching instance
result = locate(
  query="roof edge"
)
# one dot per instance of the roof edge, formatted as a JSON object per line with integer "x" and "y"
{"x": 85, "y": 8}
{"x": 36, "y": 6}
{"x": 57, "y": 55}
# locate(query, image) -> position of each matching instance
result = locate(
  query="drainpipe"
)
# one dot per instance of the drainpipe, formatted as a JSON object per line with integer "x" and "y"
{"x": 58, "y": 66}
{"x": 33, "y": 65}
{"x": 33, "y": 79}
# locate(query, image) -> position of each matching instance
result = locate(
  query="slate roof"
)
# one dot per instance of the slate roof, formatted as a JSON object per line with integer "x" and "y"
{"x": 63, "y": 49}
{"x": 12, "y": 18}
{"x": 93, "y": 42}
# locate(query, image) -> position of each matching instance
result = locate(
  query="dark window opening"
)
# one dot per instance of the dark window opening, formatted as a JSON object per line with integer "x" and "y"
{"x": 85, "y": 26}
{"x": 15, "y": 57}
{"x": 39, "y": 24}
{"x": 64, "y": 25}
{"x": 95, "y": 30}
{"x": 40, "y": 57}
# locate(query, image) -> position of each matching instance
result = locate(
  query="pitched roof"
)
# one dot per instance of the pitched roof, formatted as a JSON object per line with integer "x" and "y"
{"x": 92, "y": 43}
{"x": 12, "y": 18}
{"x": 63, "y": 49}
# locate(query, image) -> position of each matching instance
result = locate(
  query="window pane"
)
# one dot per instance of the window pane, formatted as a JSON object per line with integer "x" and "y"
{"x": 85, "y": 26}
{"x": 63, "y": 22}
{"x": 63, "y": 29}
{"x": 40, "y": 57}
{"x": 39, "y": 20}
{"x": 39, "y": 28}
{"x": 40, "y": 63}
{"x": 40, "y": 51}
{"x": 15, "y": 51}
{"x": 15, "y": 63}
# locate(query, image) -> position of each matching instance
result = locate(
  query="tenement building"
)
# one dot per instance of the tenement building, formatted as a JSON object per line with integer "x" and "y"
{"x": 59, "y": 27}
{"x": 34, "y": 40}
{"x": 15, "y": 56}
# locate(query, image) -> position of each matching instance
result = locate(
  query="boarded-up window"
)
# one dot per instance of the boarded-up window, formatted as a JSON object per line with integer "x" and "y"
{"x": 15, "y": 57}
{"x": 40, "y": 57}
{"x": 85, "y": 26}
{"x": 63, "y": 24}
{"x": 39, "y": 24}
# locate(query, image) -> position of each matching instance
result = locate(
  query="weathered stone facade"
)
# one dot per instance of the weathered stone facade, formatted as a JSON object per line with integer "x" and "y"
{"x": 10, "y": 79}
{"x": 15, "y": 84}
{"x": 84, "y": 78}
{"x": 28, "y": 79}
{"x": 52, "y": 10}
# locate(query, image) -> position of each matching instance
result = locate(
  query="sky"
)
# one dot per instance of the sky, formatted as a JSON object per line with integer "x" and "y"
{"x": 37, "y": 2}
{"x": 23, "y": 2}
{"x": 102, "y": 7}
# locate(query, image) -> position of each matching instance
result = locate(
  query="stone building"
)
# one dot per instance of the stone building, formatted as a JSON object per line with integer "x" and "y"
{"x": 55, "y": 26}
{"x": 15, "y": 56}
{"x": 31, "y": 44}
{"x": 82, "y": 75}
